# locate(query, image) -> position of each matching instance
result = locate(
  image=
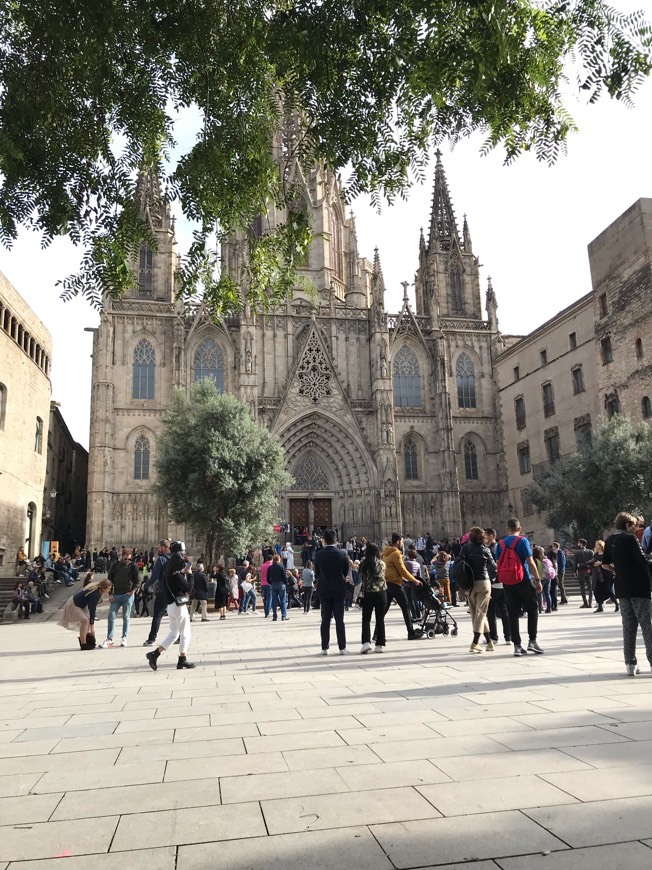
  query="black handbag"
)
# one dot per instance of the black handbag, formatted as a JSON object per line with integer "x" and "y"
{"x": 180, "y": 599}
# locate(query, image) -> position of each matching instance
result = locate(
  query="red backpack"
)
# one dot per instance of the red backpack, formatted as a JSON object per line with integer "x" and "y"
{"x": 510, "y": 567}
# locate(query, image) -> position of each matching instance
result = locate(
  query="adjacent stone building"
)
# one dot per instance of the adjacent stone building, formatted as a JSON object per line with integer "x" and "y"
{"x": 592, "y": 360}
{"x": 387, "y": 421}
{"x": 25, "y": 354}
{"x": 64, "y": 492}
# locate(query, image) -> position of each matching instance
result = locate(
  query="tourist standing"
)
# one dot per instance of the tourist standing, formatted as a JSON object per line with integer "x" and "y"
{"x": 561, "y": 560}
{"x": 307, "y": 585}
{"x": 200, "y": 600}
{"x": 278, "y": 578}
{"x": 331, "y": 571}
{"x": 265, "y": 588}
{"x": 623, "y": 554}
{"x": 124, "y": 577}
{"x": 374, "y": 597}
{"x": 221, "y": 591}
{"x": 583, "y": 557}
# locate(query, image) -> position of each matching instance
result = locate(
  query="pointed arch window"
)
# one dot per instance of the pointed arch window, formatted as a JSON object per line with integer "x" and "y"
{"x": 336, "y": 243}
{"x": 143, "y": 370}
{"x": 3, "y": 405}
{"x": 141, "y": 458}
{"x": 455, "y": 287}
{"x": 646, "y": 408}
{"x": 411, "y": 460}
{"x": 465, "y": 375}
{"x": 407, "y": 379}
{"x": 470, "y": 460}
{"x": 146, "y": 272}
{"x": 209, "y": 363}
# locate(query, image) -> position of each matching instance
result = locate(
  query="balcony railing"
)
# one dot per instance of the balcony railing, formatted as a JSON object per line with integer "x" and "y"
{"x": 548, "y": 409}
{"x": 543, "y": 469}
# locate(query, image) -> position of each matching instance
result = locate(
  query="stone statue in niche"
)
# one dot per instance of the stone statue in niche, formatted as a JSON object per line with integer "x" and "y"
{"x": 383, "y": 359}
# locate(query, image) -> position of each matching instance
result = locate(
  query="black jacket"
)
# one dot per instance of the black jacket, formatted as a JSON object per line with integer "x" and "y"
{"x": 480, "y": 559}
{"x": 174, "y": 582}
{"x": 331, "y": 571}
{"x": 623, "y": 551}
{"x": 200, "y": 583}
{"x": 276, "y": 573}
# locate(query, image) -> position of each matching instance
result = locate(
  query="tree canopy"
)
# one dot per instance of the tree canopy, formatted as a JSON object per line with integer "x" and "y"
{"x": 587, "y": 489}
{"x": 218, "y": 470}
{"x": 91, "y": 92}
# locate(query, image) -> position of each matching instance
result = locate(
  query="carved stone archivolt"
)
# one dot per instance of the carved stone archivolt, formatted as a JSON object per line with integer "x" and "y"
{"x": 309, "y": 475}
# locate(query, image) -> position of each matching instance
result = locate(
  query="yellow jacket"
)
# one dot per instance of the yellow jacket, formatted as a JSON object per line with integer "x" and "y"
{"x": 395, "y": 570}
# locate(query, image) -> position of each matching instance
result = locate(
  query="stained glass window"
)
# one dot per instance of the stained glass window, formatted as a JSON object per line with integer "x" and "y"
{"x": 309, "y": 476}
{"x": 470, "y": 460}
{"x": 209, "y": 363}
{"x": 465, "y": 374}
{"x": 407, "y": 379}
{"x": 143, "y": 370}
{"x": 411, "y": 461}
{"x": 141, "y": 458}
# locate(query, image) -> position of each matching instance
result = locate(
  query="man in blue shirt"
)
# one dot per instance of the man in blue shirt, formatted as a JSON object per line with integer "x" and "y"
{"x": 646, "y": 541}
{"x": 157, "y": 585}
{"x": 560, "y": 556}
{"x": 522, "y": 595}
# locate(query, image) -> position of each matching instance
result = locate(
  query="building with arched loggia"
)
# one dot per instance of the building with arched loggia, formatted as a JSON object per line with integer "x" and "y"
{"x": 388, "y": 421}
{"x": 25, "y": 392}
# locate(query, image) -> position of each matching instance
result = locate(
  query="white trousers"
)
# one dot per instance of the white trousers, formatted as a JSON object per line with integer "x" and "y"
{"x": 179, "y": 627}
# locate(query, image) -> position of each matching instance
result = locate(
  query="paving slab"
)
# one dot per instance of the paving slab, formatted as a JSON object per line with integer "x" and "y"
{"x": 18, "y": 784}
{"x": 493, "y": 795}
{"x": 615, "y": 755}
{"x": 326, "y": 850}
{"x": 392, "y": 774}
{"x": 266, "y": 786}
{"x": 445, "y": 841}
{"x": 605, "y": 783}
{"x": 138, "y": 799}
{"x": 96, "y": 777}
{"x": 624, "y": 856}
{"x": 238, "y": 765}
{"x": 479, "y": 767}
{"x": 152, "y": 859}
{"x": 589, "y": 735}
{"x": 179, "y": 827}
{"x": 63, "y": 761}
{"x": 313, "y": 813}
{"x": 28, "y": 808}
{"x": 55, "y": 839}
{"x": 336, "y": 756}
{"x": 598, "y": 823}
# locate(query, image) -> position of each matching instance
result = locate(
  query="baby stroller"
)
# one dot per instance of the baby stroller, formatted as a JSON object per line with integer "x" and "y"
{"x": 436, "y": 619}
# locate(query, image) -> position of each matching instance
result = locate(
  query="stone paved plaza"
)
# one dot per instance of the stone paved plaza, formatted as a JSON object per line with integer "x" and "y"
{"x": 270, "y": 756}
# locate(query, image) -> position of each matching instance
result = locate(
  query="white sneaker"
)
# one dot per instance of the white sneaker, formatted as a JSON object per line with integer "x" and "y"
{"x": 632, "y": 670}
{"x": 106, "y": 644}
{"x": 366, "y": 647}
{"x": 379, "y": 649}
{"x": 324, "y": 652}
{"x": 123, "y": 642}
{"x": 345, "y": 652}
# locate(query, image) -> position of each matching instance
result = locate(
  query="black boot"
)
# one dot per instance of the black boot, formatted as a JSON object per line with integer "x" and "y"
{"x": 152, "y": 658}
{"x": 184, "y": 663}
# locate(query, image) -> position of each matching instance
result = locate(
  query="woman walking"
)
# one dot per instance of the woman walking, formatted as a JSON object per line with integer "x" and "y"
{"x": 374, "y": 597}
{"x": 479, "y": 557}
{"x": 622, "y": 553}
{"x": 221, "y": 590}
{"x": 79, "y": 611}
{"x": 177, "y": 586}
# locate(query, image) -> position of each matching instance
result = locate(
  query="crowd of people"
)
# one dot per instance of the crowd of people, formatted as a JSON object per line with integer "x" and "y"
{"x": 499, "y": 580}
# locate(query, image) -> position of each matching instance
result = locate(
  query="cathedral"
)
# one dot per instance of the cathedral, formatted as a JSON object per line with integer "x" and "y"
{"x": 388, "y": 421}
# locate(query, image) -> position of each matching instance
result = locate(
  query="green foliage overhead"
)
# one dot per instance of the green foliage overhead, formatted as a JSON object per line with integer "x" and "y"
{"x": 586, "y": 490}
{"x": 90, "y": 90}
{"x": 218, "y": 470}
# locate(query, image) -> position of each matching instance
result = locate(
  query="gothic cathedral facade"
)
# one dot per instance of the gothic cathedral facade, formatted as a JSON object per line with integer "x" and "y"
{"x": 388, "y": 421}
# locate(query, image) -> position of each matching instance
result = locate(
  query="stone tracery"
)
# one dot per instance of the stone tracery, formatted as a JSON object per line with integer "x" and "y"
{"x": 314, "y": 373}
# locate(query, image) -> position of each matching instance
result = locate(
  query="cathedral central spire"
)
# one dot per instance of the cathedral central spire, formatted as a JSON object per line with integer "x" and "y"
{"x": 443, "y": 226}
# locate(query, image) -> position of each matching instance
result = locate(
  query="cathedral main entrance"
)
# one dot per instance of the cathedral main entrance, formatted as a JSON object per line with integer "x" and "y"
{"x": 307, "y": 514}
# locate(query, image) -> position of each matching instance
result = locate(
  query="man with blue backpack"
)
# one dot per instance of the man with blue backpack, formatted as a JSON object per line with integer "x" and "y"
{"x": 516, "y": 571}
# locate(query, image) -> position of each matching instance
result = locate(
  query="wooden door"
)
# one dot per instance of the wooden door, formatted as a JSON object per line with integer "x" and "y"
{"x": 323, "y": 508}
{"x": 299, "y": 512}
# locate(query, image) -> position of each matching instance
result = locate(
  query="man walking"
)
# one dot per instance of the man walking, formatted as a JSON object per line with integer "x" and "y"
{"x": 583, "y": 570}
{"x": 395, "y": 574}
{"x": 124, "y": 576}
{"x": 157, "y": 586}
{"x": 517, "y": 585}
{"x": 331, "y": 571}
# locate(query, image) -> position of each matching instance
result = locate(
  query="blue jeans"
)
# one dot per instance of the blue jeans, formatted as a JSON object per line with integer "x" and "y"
{"x": 544, "y": 597}
{"x": 124, "y": 601}
{"x": 249, "y": 598}
{"x": 279, "y": 597}
{"x": 267, "y": 598}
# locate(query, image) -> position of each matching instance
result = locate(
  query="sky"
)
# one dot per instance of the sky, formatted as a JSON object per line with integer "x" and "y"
{"x": 530, "y": 225}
